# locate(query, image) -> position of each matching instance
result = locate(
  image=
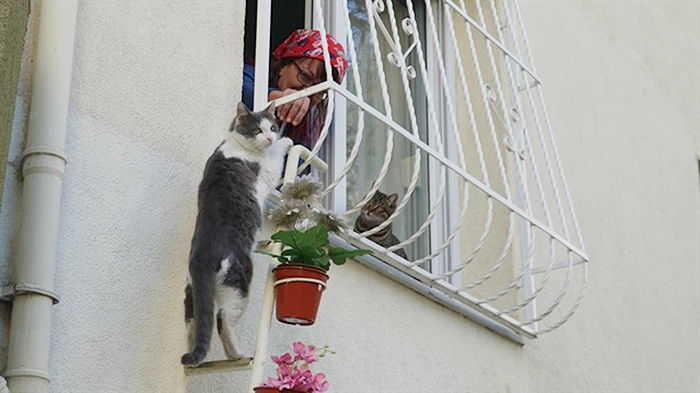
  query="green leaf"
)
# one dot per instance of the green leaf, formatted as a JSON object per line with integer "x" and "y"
{"x": 304, "y": 247}
{"x": 319, "y": 234}
{"x": 280, "y": 258}
{"x": 339, "y": 255}
{"x": 323, "y": 262}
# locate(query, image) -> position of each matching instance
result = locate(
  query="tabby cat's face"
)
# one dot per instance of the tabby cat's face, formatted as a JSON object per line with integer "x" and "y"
{"x": 258, "y": 129}
{"x": 380, "y": 207}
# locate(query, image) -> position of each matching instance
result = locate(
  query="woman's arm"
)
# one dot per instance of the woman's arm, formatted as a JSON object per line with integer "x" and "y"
{"x": 294, "y": 111}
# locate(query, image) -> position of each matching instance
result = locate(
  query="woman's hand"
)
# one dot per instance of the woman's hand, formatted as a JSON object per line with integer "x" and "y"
{"x": 294, "y": 111}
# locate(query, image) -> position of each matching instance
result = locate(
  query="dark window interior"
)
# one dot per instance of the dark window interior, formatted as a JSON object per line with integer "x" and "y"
{"x": 287, "y": 16}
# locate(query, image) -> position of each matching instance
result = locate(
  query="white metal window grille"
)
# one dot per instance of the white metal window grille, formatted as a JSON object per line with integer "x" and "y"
{"x": 442, "y": 98}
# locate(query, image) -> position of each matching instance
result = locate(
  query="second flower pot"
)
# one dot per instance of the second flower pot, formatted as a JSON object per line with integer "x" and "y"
{"x": 298, "y": 290}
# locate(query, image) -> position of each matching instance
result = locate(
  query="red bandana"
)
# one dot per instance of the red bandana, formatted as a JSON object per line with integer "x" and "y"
{"x": 307, "y": 43}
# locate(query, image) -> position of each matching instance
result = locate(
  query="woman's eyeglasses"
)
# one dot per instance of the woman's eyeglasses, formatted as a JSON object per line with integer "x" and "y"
{"x": 307, "y": 80}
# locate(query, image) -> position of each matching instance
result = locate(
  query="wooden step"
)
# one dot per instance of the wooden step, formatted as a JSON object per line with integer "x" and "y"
{"x": 220, "y": 366}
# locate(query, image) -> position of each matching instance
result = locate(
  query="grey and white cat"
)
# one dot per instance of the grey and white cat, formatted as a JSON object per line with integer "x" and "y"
{"x": 375, "y": 212}
{"x": 236, "y": 181}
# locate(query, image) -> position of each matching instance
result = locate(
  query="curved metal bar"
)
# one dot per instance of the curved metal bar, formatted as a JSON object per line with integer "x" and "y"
{"x": 513, "y": 284}
{"x": 559, "y": 298}
{"x": 361, "y": 116}
{"x": 434, "y": 127}
{"x": 414, "y": 125}
{"x": 535, "y": 169}
{"x": 387, "y": 108}
{"x": 540, "y": 287}
{"x": 549, "y": 130}
{"x": 577, "y": 303}
{"x": 487, "y": 225}
{"x": 331, "y": 93}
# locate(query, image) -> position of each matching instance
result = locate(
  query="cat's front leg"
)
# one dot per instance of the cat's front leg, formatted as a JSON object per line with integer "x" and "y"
{"x": 275, "y": 160}
{"x": 283, "y": 145}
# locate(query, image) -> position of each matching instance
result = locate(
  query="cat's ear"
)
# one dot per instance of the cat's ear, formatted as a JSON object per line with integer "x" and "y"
{"x": 242, "y": 110}
{"x": 270, "y": 110}
{"x": 392, "y": 199}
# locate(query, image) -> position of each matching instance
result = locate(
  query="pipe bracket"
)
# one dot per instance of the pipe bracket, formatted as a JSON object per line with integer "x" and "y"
{"x": 12, "y": 291}
{"x": 27, "y": 372}
{"x": 45, "y": 150}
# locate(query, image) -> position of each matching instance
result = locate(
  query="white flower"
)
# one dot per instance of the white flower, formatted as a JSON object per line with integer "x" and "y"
{"x": 284, "y": 215}
{"x": 330, "y": 220}
{"x": 304, "y": 190}
{"x": 303, "y": 225}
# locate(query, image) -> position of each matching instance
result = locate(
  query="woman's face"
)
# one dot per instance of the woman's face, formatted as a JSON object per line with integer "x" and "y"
{"x": 300, "y": 74}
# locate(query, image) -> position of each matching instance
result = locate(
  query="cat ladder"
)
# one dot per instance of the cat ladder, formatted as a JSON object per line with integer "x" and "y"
{"x": 256, "y": 364}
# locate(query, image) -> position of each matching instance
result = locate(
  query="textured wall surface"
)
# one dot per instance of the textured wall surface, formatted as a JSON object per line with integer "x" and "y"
{"x": 13, "y": 28}
{"x": 623, "y": 90}
{"x": 154, "y": 85}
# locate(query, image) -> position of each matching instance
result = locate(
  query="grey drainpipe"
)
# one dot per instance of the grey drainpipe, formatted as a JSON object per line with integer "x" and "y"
{"x": 43, "y": 162}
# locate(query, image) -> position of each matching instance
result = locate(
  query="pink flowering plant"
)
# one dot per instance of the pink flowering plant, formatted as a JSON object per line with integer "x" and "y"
{"x": 294, "y": 373}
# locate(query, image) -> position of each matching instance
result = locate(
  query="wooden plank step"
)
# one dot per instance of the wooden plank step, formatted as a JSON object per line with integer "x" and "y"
{"x": 220, "y": 366}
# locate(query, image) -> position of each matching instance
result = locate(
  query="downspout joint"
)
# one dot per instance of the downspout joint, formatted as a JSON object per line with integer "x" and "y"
{"x": 45, "y": 150}
{"x": 12, "y": 291}
{"x": 27, "y": 372}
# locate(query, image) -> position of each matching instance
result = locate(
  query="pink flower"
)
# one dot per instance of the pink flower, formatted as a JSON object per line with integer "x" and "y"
{"x": 283, "y": 371}
{"x": 308, "y": 354}
{"x": 320, "y": 384}
{"x": 303, "y": 380}
{"x": 278, "y": 383}
{"x": 295, "y": 373}
{"x": 284, "y": 359}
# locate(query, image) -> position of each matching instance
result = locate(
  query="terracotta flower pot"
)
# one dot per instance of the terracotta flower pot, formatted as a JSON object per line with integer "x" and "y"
{"x": 298, "y": 290}
{"x": 261, "y": 389}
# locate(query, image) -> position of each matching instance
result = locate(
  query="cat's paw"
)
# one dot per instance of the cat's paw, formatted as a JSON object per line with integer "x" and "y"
{"x": 285, "y": 144}
{"x": 235, "y": 357}
{"x": 191, "y": 359}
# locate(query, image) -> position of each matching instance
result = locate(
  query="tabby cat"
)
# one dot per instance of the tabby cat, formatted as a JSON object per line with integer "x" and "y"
{"x": 237, "y": 179}
{"x": 375, "y": 212}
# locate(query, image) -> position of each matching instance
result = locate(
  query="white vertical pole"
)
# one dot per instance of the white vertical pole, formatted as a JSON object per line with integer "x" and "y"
{"x": 308, "y": 14}
{"x": 262, "y": 61}
{"x": 339, "y": 135}
{"x": 262, "y": 54}
{"x": 263, "y": 340}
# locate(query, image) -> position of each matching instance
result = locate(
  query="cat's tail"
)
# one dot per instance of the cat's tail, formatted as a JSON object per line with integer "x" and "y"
{"x": 203, "y": 294}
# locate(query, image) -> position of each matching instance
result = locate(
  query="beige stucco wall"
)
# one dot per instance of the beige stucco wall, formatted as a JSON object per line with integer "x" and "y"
{"x": 154, "y": 85}
{"x": 13, "y": 28}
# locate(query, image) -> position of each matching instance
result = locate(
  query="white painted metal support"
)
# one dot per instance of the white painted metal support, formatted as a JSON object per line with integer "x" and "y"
{"x": 338, "y": 139}
{"x": 451, "y": 165}
{"x": 560, "y": 265}
{"x": 262, "y": 54}
{"x": 261, "y": 345}
{"x": 491, "y": 38}
{"x": 220, "y": 366}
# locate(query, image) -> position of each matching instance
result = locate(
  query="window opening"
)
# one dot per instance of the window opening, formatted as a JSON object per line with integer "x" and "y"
{"x": 287, "y": 16}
